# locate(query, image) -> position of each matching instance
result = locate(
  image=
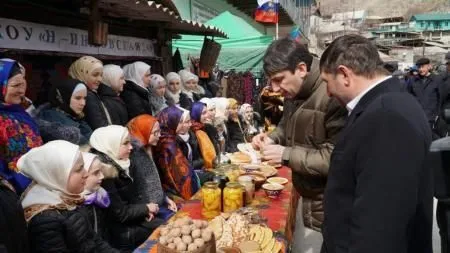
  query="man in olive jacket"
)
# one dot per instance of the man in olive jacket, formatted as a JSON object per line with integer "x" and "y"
{"x": 305, "y": 137}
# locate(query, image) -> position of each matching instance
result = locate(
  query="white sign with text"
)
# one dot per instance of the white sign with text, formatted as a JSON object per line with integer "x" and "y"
{"x": 17, "y": 34}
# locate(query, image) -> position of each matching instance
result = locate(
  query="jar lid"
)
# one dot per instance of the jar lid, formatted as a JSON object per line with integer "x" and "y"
{"x": 245, "y": 179}
{"x": 211, "y": 184}
{"x": 233, "y": 185}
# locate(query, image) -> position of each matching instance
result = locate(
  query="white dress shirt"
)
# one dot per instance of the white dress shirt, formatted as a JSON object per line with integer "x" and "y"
{"x": 352, "y": 104}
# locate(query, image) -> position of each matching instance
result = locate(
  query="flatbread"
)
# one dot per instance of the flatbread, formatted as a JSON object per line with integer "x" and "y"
{"x": 216, "y": 225}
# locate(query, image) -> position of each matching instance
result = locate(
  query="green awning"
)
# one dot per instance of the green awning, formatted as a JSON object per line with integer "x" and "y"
{"x": 243, "y": 50}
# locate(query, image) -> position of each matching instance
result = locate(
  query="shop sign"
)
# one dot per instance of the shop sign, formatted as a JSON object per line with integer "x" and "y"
{"x": 15, "y": 34}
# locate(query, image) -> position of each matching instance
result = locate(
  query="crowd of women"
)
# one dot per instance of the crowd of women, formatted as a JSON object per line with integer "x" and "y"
{"x": 107, "y": 159}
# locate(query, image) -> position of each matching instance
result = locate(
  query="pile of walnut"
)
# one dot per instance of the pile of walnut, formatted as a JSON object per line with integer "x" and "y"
{"x": 185, "y": 234}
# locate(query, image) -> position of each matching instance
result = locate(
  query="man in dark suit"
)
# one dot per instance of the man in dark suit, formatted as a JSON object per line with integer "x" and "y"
{"x": 379, "y": 194}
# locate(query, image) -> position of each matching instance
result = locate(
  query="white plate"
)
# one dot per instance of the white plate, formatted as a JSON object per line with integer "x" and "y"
{"x": 277, "y": 180}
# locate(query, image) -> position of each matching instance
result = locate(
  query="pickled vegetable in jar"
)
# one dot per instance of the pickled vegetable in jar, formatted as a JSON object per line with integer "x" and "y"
{"x": 233, "y": 197}
{"x": 211, "y": 200}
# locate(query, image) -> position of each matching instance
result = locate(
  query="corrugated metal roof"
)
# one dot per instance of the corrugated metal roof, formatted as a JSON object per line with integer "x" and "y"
{"x": 431, "y": 16}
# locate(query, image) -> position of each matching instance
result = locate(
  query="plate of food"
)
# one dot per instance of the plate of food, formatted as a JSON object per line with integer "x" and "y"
{"x": 239, "y": 158}
{"x": 266, "y": 170}
{"x": 277, "y": 180}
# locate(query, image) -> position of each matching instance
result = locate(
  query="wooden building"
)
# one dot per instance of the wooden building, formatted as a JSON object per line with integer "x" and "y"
{"x": 46, "y": 36}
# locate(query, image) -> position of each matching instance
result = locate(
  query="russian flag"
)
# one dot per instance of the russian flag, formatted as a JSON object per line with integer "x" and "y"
{"x": 267, "y": 11}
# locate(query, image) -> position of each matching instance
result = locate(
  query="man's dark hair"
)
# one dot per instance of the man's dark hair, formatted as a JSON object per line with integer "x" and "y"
{"x": 354, "y": 52}
{"x": 285, "y": 54}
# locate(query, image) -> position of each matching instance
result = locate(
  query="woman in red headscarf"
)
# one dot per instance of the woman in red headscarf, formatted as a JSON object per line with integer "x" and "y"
{"x": 148, "y": 188}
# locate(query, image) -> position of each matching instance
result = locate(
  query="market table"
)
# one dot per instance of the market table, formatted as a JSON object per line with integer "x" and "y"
{"x": 280, "y": 213}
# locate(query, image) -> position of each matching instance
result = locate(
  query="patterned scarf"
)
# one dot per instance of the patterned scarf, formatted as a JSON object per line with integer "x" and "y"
{"x": 178, "y": 175}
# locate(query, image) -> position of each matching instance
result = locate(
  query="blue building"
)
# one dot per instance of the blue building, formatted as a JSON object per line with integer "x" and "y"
{"x": 432, "y": 26}
{"x": 431, "y": 22}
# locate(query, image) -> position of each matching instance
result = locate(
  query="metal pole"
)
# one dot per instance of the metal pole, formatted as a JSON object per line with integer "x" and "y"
{"x": 277, "y": 6}
{"x": 276, "y": 30}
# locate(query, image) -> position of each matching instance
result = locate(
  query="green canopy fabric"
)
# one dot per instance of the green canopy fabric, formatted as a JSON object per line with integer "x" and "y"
{"x": 243, "y": 50}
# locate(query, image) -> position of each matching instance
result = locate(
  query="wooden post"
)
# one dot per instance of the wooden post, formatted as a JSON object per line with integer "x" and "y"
{"x": 98, "y": 30}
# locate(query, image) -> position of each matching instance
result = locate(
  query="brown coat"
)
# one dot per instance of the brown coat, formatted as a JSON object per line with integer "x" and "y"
{"x": 308, "y": 130}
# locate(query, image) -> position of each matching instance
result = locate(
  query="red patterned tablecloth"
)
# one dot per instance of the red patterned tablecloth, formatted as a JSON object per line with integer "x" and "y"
{"x": 280, "y": 213}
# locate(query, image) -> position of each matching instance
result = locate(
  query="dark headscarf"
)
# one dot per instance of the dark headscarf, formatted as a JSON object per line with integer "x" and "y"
{"x": 8, "y": 69}
{"x": 61, "y": 94}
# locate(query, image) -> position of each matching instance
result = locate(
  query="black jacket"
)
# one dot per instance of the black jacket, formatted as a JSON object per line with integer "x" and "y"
{"x": 147, "y": 186}
{"x": 94, "y": 111}
{"x": 185, "y": 101}
{"x": 114, "y": 104}
{"x": 97, "y": 218}
{"x": 63, "y": 231}
{"x": 211, "y": 131}
{"x": 127, "y": 223}
{"x": 427, "y": 91}
{"x": 14, "y": 237}
{"x": 136, "y": 100}
{"x": 379, "y": 193}
{"x": 61, "y": 126}
{"x": 235, "y": 135}
{"x": 197, "y": 159}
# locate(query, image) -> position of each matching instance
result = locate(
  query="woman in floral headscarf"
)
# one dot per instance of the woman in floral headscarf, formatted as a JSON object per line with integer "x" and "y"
{"x": 90, "y": 70}
{"x": 18, "y": 131}
{"x": 157, "y": 90}
{"x": 199, "y": 116}
{"x": 178, "y": 176}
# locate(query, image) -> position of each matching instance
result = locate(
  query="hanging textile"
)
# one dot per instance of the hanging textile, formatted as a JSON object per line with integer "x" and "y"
{"x": 177, "y": 62}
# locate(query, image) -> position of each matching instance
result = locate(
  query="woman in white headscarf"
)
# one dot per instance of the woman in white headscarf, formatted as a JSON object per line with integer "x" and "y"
{"x": 209, "y": 127}
{"x": 249, "y": 124}
{"x": 175, "y": 93}
{"x": 130, "y": 224}
{"x": 114, "y": 80}
{"x": 190, "y": 85}
{"x": 135, "y": 93}
{"x": 220, "y": 119}
{"x": 158, "y": 93}
{"x": 50, "y": 203}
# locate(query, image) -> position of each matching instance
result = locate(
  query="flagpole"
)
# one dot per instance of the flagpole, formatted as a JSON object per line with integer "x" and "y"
{"x": 278, "y": 17}
{"x": 276, "y": 30}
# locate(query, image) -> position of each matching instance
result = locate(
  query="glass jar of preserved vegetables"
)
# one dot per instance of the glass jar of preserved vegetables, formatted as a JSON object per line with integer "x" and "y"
{"x": 233, "y": 197}
{"x": 211, "y": 200}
